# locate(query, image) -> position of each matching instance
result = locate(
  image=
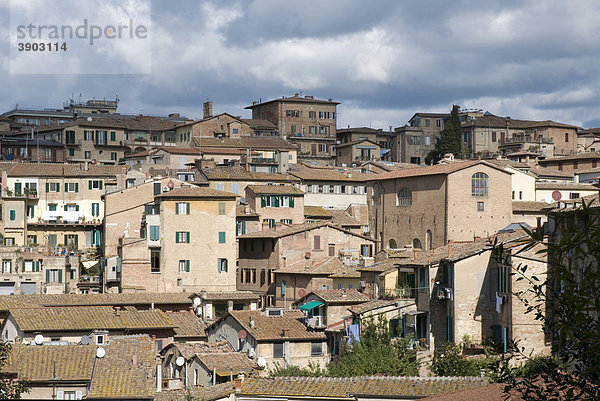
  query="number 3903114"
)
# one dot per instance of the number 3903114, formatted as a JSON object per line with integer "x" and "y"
{"x": 42, "y": 47}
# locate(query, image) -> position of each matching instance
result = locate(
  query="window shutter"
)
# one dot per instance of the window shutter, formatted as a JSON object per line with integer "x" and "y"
{"x": 37, "y": 265}
{"x": 263, "y": 201}
{"x": 187, "y": 266}
{"x": 291, "y": 201}
{"x": 60, "y": 276}
{"x": 47, "y": 187}
{"x": 219, "y": 265}
{"x": 187, "y": 208}
{"x": 100, "y": 184}
{"x": 276, "y": 199}
{"x": 66, "y": 208}
{"x": 221, "y": 237}
{"x": 90, "y": 184}
{"x": 47, "y": 276}
{"x": 59, "y": 394}
{"x": 176, "y": 237}
{"x": 177, "y": 207}
{"x": 66, "y": 185}
{"x": 105, "y": 137}
{"x": 76, "y": 208}
{"x": 66, "y": 239}
{"x": 76, "y": 187}
{"x": 187, "y": 237}
{"x": 97, "y": 237}
{"x": 78, "y": 395}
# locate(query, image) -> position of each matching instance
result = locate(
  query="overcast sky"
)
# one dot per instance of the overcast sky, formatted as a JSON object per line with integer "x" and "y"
{"x": 383, "y": 60}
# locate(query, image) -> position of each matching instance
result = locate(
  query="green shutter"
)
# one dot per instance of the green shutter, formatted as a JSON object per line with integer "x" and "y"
{"x": 66, "y": 239}
{"x": 187, "y": 237}
{"x": 47, "y": 275}
{"x": 177, "y": 237}
{"x": 37, "y": 265}
{"x": 100, "y": 184}
{"x": 58, "y": 187}
{"x": 291, "y": 201}
{"x": 275, "y": 200}
{"x": 90, "y": 184}
{"x": 105, "y": 137}
{"x": 60, "y": 276}
{"x": 187, "y": 208}
{"x": 221, "y": 237}
{"x": 76, "y": 208}
{"x": 18, "y": 188}
{"x": 65, "y": 187}
{"x": 187, "y": 266}
{"x": 23, "y": 267}
{"x": 47, "y": 187}
{"x": 263, "y": 201}
{"x": 66, "y": 208}
{"x": 176, "y": 207}
{"x": 76, "y": 241}
{"x": 76, "y": 187}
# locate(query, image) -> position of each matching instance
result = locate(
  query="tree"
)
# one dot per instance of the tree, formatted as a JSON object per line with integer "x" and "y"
{"x": 11, "y": 387}
{"x": 376, "y": 352}
{"x": 449, "y": 140}
{"x": 450, "y": 361}
{"x": 567, "y": 301}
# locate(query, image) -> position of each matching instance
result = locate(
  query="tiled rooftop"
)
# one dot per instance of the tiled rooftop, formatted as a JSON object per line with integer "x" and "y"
{"x": 240, "y": 173}
{"x": 188, "y": 324}
{"x": 306, "y": 173}
{"x": 190, "y": 349}
{"x": 295, "y": 229}
{"x": 79, "y": 318}
{"x": 255, "y": 143}
{"x": 209, "y": 393}
{"x": 105, "y": 299}
{"x": 223, "y": 362}
{"x": 342, "y": 296}
{"x": 433, "y": 170}
{"x": 275, "y": 190}
{"x": 60, "y": 170}
{"x": 565, "y": 185}
{"x": 329, "y": 266}
{"x": 196, "y": 192}
{"x": 343, "y": 387}
{"x": 276, "y": 328}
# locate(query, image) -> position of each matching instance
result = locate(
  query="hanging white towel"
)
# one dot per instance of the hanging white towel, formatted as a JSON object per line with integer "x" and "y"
{"x": 498, "y": 302}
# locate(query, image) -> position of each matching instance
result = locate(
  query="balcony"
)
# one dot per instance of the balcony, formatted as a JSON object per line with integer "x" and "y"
{"x": 522, "y": 139}
{"x": 54, "y": 217}
{"x": 26, "y": 193}
{"x": 316, "y": 322}
{"x": 264, "y": 160}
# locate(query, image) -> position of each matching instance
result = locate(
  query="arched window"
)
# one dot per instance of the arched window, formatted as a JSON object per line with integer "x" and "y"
{"x": 417, "y": 244}
{"x": 393, "y": 244}
{"x": 404, "y": 197}
{"x": 479, "y": 184}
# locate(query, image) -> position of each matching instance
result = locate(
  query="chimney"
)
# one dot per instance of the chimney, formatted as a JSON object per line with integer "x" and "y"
{"x": 134, "y": 359}
{"x": 449, "y": 250}
{"x": 415, "y": 254}
{"x": 252, "y": 321}
{"x": 433, "y": 251}
{"x": 207, "y": 108}
{"x": 254, "y": 103}
{"x": 237, "y": 383}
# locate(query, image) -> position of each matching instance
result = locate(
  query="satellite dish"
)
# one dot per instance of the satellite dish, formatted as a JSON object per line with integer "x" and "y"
{"x": 89, "y": 118}
{"x": 100, "y": 352}
{"x": 556, "y": 195}
{"x": 85, "y": 340}
{"x": 548, "y": 199}
{"x": 261, "y": 362}
{"x": 242, "y": 334}
{"x": 39, "y": 339}
{"x": 197, "y": 301}
{"x": 179, "y": 361}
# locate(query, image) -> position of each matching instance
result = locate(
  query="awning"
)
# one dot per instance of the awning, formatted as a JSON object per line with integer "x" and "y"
{"x": 310, "y": 305}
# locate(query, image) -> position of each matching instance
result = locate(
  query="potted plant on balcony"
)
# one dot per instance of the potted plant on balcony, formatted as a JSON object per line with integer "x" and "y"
{"x": 9, "y": 192}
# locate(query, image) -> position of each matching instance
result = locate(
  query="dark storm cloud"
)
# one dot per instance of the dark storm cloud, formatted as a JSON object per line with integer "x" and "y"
{"x": 383, "y": 59}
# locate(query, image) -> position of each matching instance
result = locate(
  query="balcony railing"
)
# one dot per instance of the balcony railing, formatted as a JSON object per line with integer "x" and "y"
{"x": 528, "y": 139}
{"x": 25, "y": 193}
{"x": 316, "y": 322}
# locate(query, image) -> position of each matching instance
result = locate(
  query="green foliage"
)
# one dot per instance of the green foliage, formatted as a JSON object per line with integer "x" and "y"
{"x": 313, "y": 370}
{"x": 10, "y": 387}
{"x": 450, "y": 361}
{"x": 449, "y": 140}
{"x": 376, "y": 353}
{"x": 567, "y": 301}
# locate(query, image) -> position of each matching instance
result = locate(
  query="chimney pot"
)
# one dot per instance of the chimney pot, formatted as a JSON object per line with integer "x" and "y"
{"x": 415, "y": 254}
{"x": 450, "y": 250}
{"x": 237, "y": 383}
{"x": 434, "y": 251}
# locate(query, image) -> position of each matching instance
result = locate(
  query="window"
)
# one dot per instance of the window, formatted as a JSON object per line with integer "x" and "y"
{"x": 292, "y": 129}
{"x": 270, "y": 222}
{"x": 70, "y": 137}
{"x": 278, "y": 350}
{"x": 493, "y": 136}
{"x": 221, "y": 237}
{"x": 222, "y": 265}
{"x": 427, "y": 122}
{"x": 221, "y": 208}
{"x": 479, "y": 184}
{"x": 71, "y": 187}
{"x": 574, "y": 195}
{"x": 366, "y": 250}
{"x": 95, "y": 209}
{"x": 322, "y": 129}
{"x": 184, "y": 266}
{"x": 154, "y": 233}
{"x": 113, "y": 155}
{"x": 12, "y": 215}
{"x": 157, "y": 188}
{"x": 87, "y": 135}
{"x": 513, "y": 195}
{"x": 220, "y": 186}
{"x": 155, "y": 260}
{"x": 95, "y": 184}
{"x": 87, "y": 155}
{"x": 438, "y": 123}
{"x": 52, "y": 239}
{"x": 113, "y": 136}
{"x": 316, "y": 349}
{"x": 53, "y": 276}
{"x": 8, "y": 241}
{"x": 415, "y": 160}
{"x": 312, "y": 115}
{"x": 71, "y": 152}
{"x": 428, "y": 140}
{"x": 182, "y": 237}
{"x": 52, "y": 187}
{"x": 6, "y": 266}
{"x": 317, "y": 242}
{"x": 566, "y": 137}
{"x": 182, "y": 208}
{"x": 235, "y": 188}
{"x": 30, "y": 211}
{"x": 313, "y": 128}
{"x": 480, "y": 206}
{"x": 415, "y": 140}
{"x": 286, "y": 221}
{"x": 502, "y": 278}
{"x": 404, "y": 197}
{"x": 331, "y": 249}
{"x": 32, "y": 239}
{"x": 520, "y": 195}
{"x": 465, "y": 137}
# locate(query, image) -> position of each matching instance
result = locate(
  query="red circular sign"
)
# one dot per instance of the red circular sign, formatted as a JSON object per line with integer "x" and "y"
{"x": 556, "y": 195}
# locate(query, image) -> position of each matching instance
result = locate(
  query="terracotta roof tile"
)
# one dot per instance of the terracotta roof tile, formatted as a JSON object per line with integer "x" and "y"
{"x": 295, "y": 229}
{"x": 255, "y": 143}
{"x": 188, "y": 350}
{"x": 346, "y": 387}
{"x": 342, "y": 296}
{"x": 306, "y": 173}
{"x": 316, "y": 211}
{"x": 549, "y": 172}
{"x": 126, "y": 371}
{"x": 580, "y": 156}
{"x": 276, "y": 328}
{"x": 209, "y": 393}
{"x": 187, "y": 324}
{"x": 433, "y": 170}
{"x": 61, "y": 362}
{"x": 371, "y": 305}
{"x": 226, "y": 361}
{"x": 196, "y": 192}
{"x": 529, "y": 206}
{"x": 342, "y": 218}
{"x": 238, "y": 173}
{"x": 105, "y": 299}
{"x": 231, "y": 296}
{"x": 79, "y": 318}
{"x": 565, "y": 185}
{"x": 275, "y": 190}
{"x": 60, "y": 170}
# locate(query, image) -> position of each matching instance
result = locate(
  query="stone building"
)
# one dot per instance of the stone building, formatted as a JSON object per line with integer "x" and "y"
{"x": 351, "y": 153}
{"x": 425, "y": 207}
{"x": 276, "y": 204}
{"x": 412, "y": 142}
{"x": 303, "y": 120}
